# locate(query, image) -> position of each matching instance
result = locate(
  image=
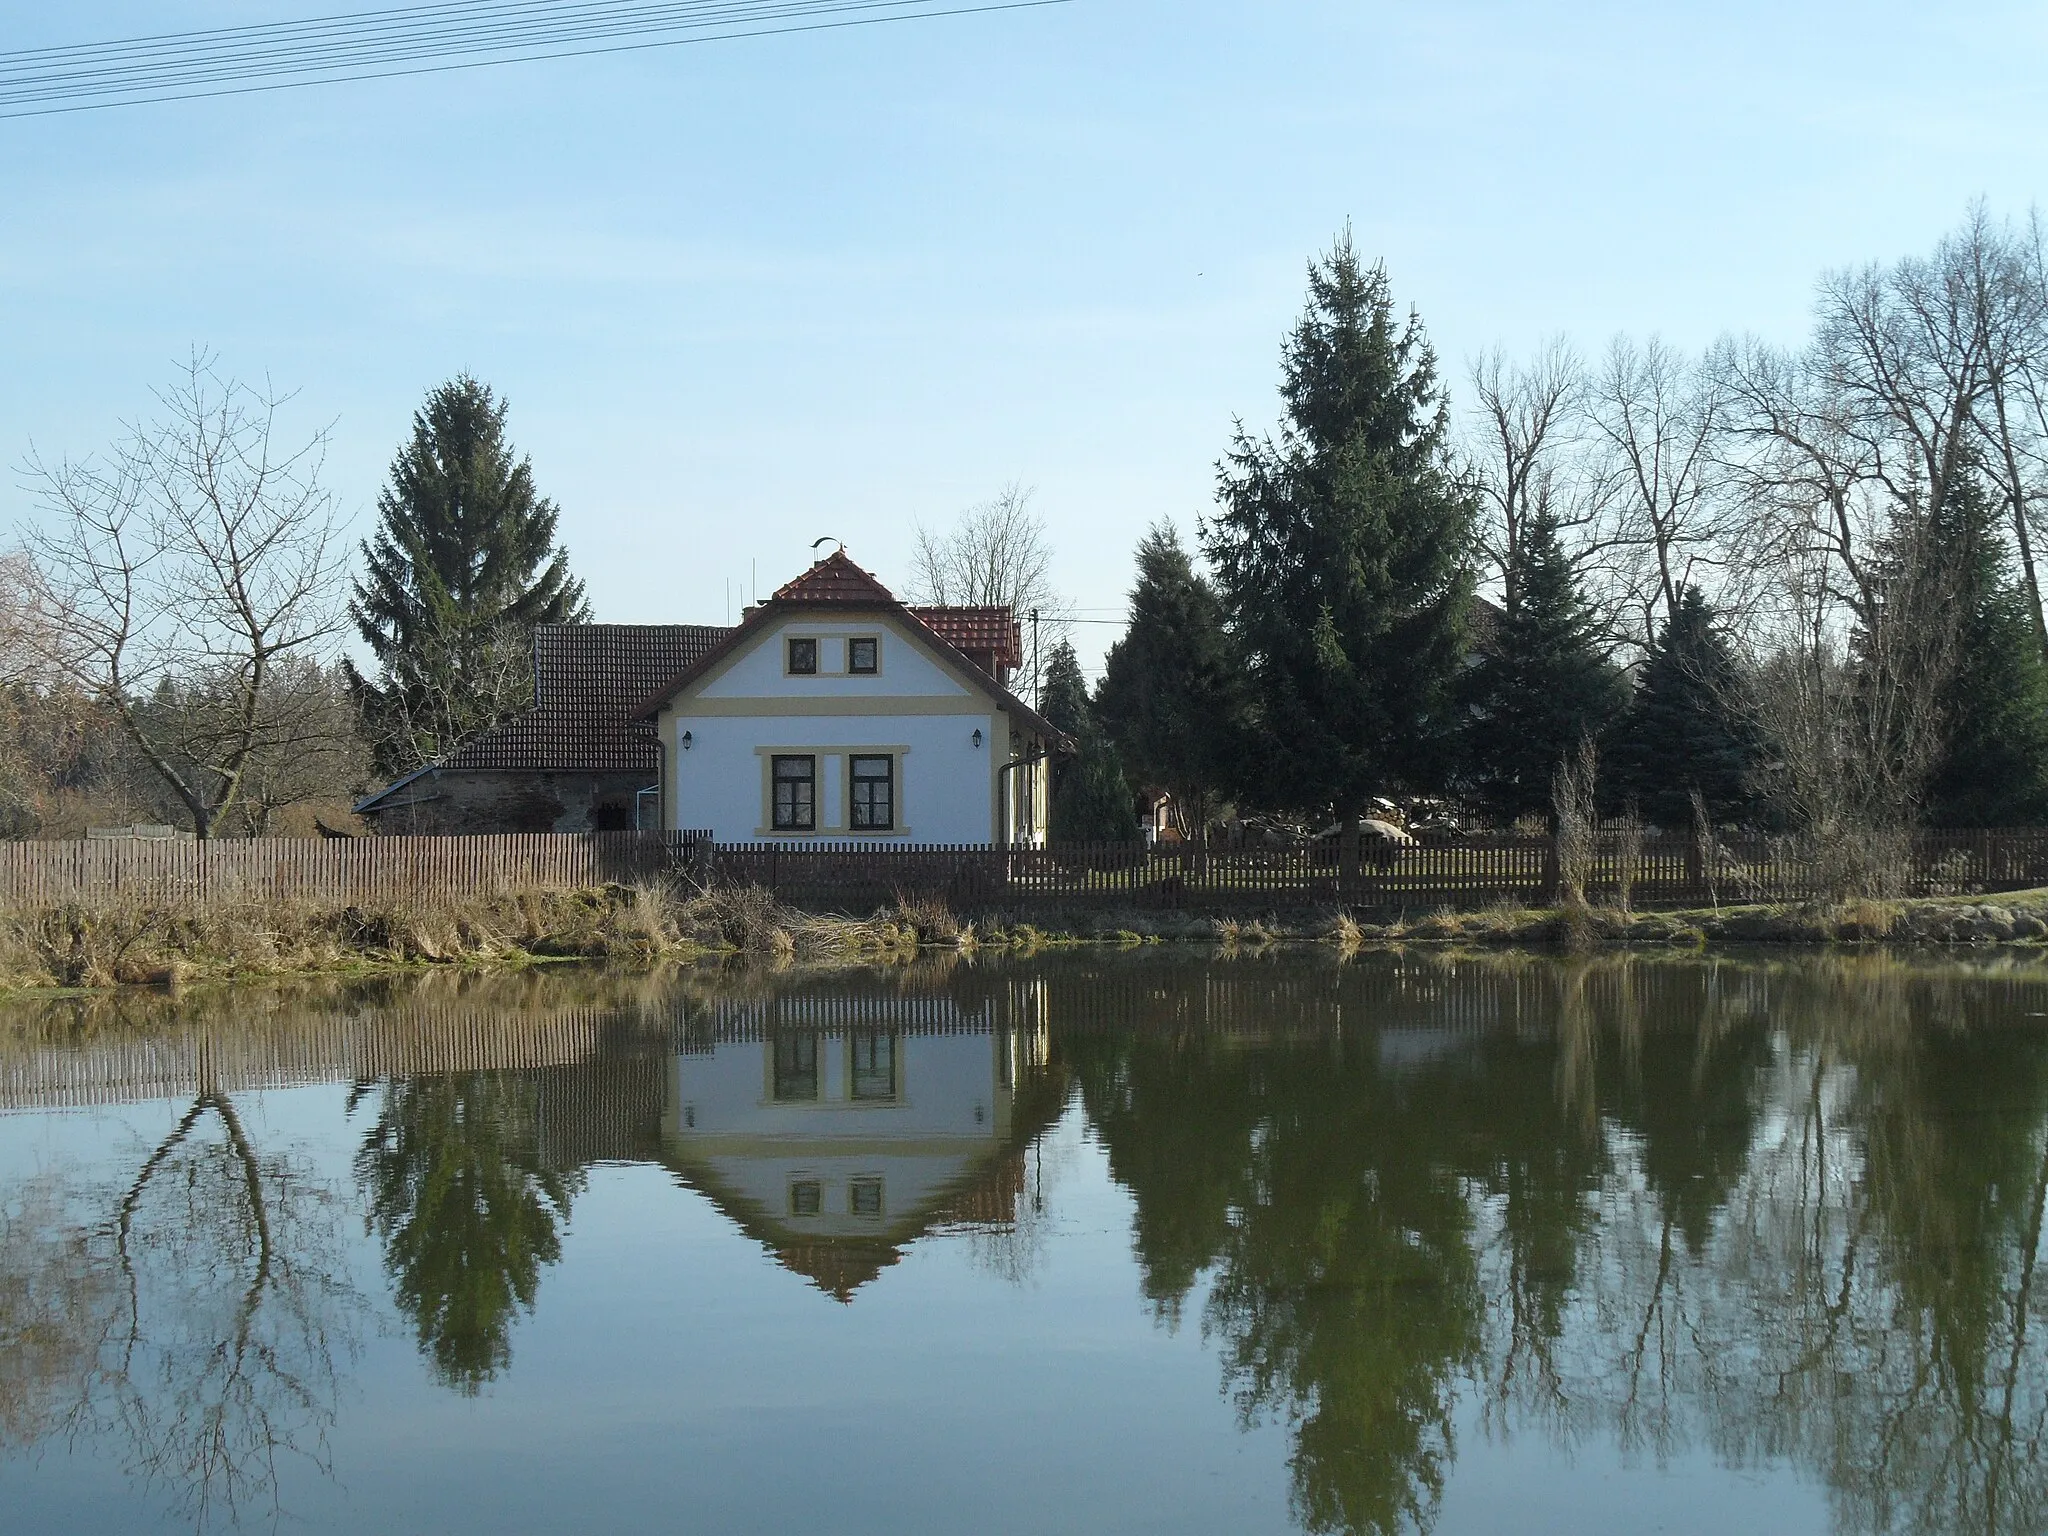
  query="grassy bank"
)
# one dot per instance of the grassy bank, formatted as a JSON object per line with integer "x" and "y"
{"x": 124, "y": 943}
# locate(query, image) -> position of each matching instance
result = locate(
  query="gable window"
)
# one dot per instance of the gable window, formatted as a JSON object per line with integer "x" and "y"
{"x": 803, "y": 657}
{"x": 806, "y": 1197}
{"x": 873, "y": 781}
{"x": 864, "y": 1198}
{"x": 796, "y": 793}
{"x": 864, "y": 656}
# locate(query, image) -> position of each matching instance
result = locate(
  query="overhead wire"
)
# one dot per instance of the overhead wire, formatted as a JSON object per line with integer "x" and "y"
{"x": 460, "y": 34}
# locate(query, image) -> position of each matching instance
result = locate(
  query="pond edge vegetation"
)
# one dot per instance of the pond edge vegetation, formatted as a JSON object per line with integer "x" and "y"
{"x": 116, "y": 941}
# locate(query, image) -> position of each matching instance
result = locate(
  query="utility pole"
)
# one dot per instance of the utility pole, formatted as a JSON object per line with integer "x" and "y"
{"x": 1034, "y": 658}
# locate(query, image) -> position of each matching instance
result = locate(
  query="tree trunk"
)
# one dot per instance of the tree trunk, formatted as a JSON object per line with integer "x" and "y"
{"x": 1349, "y": 852}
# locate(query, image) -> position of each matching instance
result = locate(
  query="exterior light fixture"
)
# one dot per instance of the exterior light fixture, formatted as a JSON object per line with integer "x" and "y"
{"x": 977, "y": 738}
{"x": 686, "y": 741}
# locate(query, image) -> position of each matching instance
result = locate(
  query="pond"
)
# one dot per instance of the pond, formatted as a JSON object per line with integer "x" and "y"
{"x": 1143, "y": 1242}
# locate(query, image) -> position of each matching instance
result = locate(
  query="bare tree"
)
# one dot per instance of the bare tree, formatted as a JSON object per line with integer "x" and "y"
{"x": 1803, "y": 479}
{"x": 312, "y": 750}
{"x": 1854, "y": 724}
{"x": 1528, "y": 457}
{"x": 1920, "y": 359}
{"x": 454, "y": 689}
{"x": 997, "y": 555}
{"x": 180, "y": 572}
{"x": 1660, "y": 415}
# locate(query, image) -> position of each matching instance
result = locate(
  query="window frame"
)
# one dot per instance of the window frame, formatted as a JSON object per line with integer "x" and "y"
{"x": 874, "y": 1057}
{"x": 854, "y": 782}
{"x": 790, "y": 646}
{"x": 874, "y": 666}
{"x": 808, "y": 822}
{"x": 796, "y": 1074}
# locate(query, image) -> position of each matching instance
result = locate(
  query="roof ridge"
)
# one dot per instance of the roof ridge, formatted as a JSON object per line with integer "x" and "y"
{"x": 835, "y": 579}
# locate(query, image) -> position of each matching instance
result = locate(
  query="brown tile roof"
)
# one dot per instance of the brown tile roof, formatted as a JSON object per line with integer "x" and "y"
{"x": 992, "y": 632}
{"x": 834, "y": 579}
{"x": 591, "y": 681}
{"x": 560, "y": 741}
{"x": 605, "y": 669}
{"x": 586, "y": 679}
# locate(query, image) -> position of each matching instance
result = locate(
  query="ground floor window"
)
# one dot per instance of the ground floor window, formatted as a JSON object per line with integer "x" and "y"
{"x": 796, "y": 1069}
{"x": 874, "y": 1066}
{"x": 796, "y": 794}
{"x": 874, "y": 793}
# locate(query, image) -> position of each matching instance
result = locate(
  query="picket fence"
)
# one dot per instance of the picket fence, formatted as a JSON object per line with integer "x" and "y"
{"x": 859, "y": 876}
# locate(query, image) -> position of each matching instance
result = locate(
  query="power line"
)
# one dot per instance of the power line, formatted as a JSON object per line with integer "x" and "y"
{"x": 375, "y": 45}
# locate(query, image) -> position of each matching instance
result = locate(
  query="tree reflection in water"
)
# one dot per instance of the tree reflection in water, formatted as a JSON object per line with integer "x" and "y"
{"x": 200, "y": 1316}
{"x": 467, "y": 1210}
{"x": 1785, "y": 1214}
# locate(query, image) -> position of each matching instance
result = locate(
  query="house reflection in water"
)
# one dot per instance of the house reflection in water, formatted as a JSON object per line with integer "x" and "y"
{"x": 837, "y": 1130}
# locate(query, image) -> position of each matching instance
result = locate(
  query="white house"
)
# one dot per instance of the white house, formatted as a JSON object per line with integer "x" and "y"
{"x": 834, "y": 713}
{"x": 837, "y": 1147}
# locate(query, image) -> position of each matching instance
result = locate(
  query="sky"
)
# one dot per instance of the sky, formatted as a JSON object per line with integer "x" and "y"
{"x": 748, "y": 294}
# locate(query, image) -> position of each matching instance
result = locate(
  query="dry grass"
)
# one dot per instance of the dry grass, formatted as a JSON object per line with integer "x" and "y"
{"x": 121, "y": 941}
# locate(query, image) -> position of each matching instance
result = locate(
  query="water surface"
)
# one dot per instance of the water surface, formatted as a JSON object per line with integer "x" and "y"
{"x": 1148, "y": 1243}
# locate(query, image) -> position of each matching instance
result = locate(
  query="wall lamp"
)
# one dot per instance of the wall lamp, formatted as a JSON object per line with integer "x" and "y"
{"x": 686, "y": 741}
{"x": 977, "y": 738}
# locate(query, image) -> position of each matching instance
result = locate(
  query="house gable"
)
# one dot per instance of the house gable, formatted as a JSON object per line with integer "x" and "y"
{"x": 907, "y": 665}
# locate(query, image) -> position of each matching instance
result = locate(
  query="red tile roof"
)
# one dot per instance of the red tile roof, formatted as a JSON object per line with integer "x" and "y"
{"x": 992, "y": 632}
{"x": 834, "y": 579}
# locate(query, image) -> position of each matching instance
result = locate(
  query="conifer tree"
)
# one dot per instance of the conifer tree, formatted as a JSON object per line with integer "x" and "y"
{"x": 1169, "y": 697}
{"x": 1681, "y": 733}
{"x": 1543, "y": 686}
{"x": 1993, "y": 766}
{"x": 1063, "y": 696}
{"x": 1094, "y": 804}
{"x": 463, "y": 565}
{"x": 1091, "y": 799}
{"x": 1340, "y": 553}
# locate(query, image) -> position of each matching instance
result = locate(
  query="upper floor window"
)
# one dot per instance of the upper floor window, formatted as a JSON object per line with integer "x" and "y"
{"x": 803, "y": 656}
{"x": 864, "y": 656}
{"x": 874, "y": 793}
{"x": 796, "y": 793}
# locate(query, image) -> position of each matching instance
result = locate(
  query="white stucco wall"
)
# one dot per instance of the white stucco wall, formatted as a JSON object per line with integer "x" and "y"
{"x": 916, "y": 710}
{"x": 952, "y": 1113}
{"x": 944, "y": 782}
{"x": 907, "y": 669}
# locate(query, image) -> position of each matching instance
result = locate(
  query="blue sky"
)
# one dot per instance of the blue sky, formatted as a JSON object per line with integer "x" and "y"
{"x": 745, "y": 294}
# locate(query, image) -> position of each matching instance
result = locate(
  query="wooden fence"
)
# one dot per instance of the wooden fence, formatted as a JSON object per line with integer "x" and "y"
{"x": 859, "y": 877}
{"x": 339, "y": 869}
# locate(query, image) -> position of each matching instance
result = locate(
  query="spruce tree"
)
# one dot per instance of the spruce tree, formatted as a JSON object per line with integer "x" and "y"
{"x": 1094, "y": 804}
{"x": 1091, "y": 799}
{"x": 1993, "y": 768}
{"x": 1681, "y": 733}
{"x": 463, "y": 565}
{"x": 1170, "y": 697}
{"x": 1340, "y": 553}
{"x": 1543, "y": 686}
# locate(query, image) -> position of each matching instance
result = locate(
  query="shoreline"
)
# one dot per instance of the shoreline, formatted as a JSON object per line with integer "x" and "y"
{"x": 89, "y": 949}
